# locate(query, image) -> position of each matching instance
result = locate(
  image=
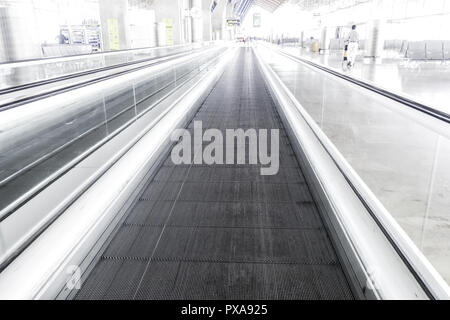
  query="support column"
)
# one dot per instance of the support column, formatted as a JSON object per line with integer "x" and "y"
{"x": 170, "y": 13}
{"x": 18, "y": 37}
{"x": 113, "y": 17}
{"x": 229, "y": 32}
{"x": 186, "y": 21}
{"x": 217, "y": 20}
{"x": 207, "y": 20}
{"x": 324, "y": 40}
{"x": 196, "y": 14}
{"x": 197, "y": 20}
{"x": 375, "y": 39}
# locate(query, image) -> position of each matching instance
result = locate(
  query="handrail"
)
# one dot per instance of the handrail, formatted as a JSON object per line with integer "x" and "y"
{"x": 76, "y": 194}
{"x": 398, "y": 97}
{"x": 39, "y": 96}
{"x": 101, "y": 53}
{"x": 427, "y": 276}
{"x": 82, "y": 73}
{"x": 6, "y": 212}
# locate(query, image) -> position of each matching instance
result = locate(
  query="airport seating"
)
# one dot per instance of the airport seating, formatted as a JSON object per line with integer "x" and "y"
{"x": 416, "y": 50}
{"x": 404, "y": 48}
{"x": 395, "y": 45}
{"x": 362, "y": 44}
{"x": 435, "y": 50}
{"x": 335, "y": 44}
{"x": 446, "y": 50}
{"x": 65, "y": 50}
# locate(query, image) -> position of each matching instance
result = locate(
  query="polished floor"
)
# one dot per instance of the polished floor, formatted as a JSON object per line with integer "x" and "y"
{"x": 424, "y": 81}
{"x": 223, "y": 232}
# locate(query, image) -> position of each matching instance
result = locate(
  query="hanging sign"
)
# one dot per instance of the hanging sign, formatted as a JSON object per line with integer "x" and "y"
{"x": 257, "y": 20}
{"x": 213, "y": 7}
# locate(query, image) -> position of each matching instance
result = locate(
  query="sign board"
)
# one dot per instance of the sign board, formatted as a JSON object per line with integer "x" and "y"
{"x": 113, "y": 34}
{"x": 213, "y": 7}
{"x": 233, "y": 22}
{"x": 169, "y": 31}
{"x": 257, "y": 20}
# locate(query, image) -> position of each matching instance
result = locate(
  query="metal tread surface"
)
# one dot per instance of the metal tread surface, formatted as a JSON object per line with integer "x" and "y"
{"x": 224, "y": 232}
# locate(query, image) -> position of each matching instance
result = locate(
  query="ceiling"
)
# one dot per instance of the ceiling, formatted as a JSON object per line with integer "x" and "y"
{"x": 310, "y": 5}
{"x": 269, "y": 5}
{"x": 241, "y": 7}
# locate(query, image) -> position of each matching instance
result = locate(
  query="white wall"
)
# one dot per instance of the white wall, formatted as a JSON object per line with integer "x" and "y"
{"x": 406, "y": 19}
{"x": 51, "y": 14}
{"x": 266, "y": 23}
{"x": 142, "y": 28}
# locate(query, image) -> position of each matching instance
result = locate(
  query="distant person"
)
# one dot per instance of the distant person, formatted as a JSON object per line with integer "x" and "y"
{"x": 352, "y": 47}
{"x": 62, "y": 39}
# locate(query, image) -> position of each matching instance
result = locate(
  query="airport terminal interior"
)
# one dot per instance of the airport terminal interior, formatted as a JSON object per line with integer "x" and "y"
{"x": 224, "y": 150}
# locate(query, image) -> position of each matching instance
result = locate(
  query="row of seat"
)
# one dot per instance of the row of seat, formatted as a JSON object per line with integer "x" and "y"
{"x": 420, "y": 50}
{"x": 428, "y": 50}
{"x": 66, "y": 50}
{"x": 339, "y": 44}
{"x": 415, "y": 50}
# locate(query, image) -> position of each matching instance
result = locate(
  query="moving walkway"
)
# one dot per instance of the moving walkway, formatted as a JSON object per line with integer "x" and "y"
{"x": 223, "y": 232}
{"x": 123, "y": 222}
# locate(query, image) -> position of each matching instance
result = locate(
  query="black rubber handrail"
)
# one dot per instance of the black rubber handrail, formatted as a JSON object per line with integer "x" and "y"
{"x": 35, "y": 97}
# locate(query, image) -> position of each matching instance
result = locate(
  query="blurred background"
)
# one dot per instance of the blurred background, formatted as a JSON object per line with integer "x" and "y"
{"x": 47, "y": 28}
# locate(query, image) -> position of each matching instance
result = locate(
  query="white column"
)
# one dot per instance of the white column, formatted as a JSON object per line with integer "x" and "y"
{"x": 324, "y": 40}
{"x": 375, "y": 39}
{"x": 197, "y": 20}
{"x": 207, "y": 20}
{"x": 217, "y": 20}
{"x": 375, "y": 31}
{"x": 170, "y": 13}
{"x": 18, "y": 33}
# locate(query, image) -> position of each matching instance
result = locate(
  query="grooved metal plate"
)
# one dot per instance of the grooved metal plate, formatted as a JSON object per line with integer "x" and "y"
{"x": 224, "y": 231}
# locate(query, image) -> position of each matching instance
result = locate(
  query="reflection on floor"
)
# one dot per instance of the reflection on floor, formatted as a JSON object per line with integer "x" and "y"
{"x": 427, "y": 81}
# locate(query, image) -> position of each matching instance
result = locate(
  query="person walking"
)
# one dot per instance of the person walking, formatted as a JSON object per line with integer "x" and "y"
{"x": 352, "y": 47}
{"x": 62, "y": 39}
